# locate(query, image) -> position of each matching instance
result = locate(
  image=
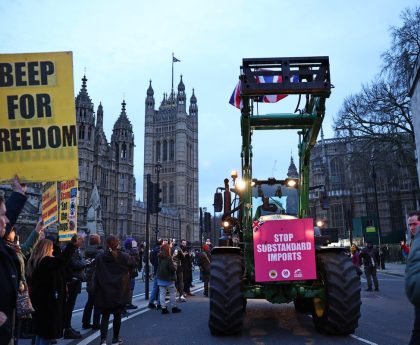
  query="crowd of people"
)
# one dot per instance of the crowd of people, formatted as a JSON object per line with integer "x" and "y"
{"x": 41, "y": 278}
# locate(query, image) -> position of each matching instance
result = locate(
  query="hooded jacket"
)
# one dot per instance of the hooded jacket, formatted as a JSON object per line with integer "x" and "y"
{"x": 112, "y": 279}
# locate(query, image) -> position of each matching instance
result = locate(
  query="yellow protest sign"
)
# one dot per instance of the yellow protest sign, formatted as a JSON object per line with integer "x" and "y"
{"x": 68, "y": 210}
{"x": 49, "y": 203}
{"x": 38, "y": 140}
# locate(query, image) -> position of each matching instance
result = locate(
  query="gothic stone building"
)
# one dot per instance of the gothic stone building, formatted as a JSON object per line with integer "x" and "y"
{"x": 171, "y": 141}
{"x": 358, "y": 180}
{"x": 171, "y": 137}
{"x": 108, "y": 166}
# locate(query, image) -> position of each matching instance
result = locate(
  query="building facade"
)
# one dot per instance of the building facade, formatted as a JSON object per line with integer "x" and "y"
{"x": 171, "y": 142}
{"x": 108, "y": 166}
{"x": 357, "y": 184}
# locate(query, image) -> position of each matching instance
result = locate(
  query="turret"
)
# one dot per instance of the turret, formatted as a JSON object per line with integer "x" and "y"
{"x": 193, "y": 105}
{"x": 122, "y": 139}
{"x": 84, "y": 116}
{"x": 181, "y": 96}
{"x": 150, "y": 99}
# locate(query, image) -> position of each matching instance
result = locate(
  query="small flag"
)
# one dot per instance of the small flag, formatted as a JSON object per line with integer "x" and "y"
{"x": 235, "y": 98}
{"x": 174, "y": 59}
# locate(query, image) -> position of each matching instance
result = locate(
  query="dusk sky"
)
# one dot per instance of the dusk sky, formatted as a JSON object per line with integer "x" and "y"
{"x": 121, "y": 45}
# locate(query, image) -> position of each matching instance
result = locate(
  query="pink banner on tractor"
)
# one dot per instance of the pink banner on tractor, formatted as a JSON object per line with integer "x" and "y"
{"x": 284, "y": 250}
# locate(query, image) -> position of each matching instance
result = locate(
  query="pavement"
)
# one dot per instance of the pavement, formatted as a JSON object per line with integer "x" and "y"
{"x": 394, "y": 268}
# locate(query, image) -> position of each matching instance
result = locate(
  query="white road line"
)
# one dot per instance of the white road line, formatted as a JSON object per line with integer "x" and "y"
{"x": 363, "y": 340}
{"x": 356, "y": 337}
{"x": 134, "y": 296}
{"x": 96, "y": 334}
{"x": 93, "y": 336}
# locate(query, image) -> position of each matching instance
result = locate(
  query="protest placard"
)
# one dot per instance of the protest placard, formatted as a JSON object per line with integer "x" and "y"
{"x": 38, "y": 137}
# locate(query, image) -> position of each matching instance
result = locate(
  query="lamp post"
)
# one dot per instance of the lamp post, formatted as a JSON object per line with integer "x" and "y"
{"x": 376, "y": 198}
{"x": 204, "y": 212}
{"x": 158, "y": 166}
{"x": 179, "y": 223}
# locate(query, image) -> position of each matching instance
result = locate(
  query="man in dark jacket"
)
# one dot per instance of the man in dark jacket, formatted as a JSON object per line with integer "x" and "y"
{"x": 186, "y": 268}
{"x": 112, "y": 286}
{"x": 74, "y": 277}
{"x": 412, "y": 274}
{"x": 370, "y": 259}
{"x": 93, "y": 249}
{"x": 130, "y": 246}
{"x": 204, "y": 262}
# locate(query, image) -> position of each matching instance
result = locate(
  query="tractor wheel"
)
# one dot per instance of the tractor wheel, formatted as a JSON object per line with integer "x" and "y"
{"x": 226, "y": 296}
{"x": 337, "y": 312}
{"x": 304, "y": 305}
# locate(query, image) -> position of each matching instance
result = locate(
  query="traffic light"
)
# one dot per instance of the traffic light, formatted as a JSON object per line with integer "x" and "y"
{"x": 207, "y": 222}
{"x": 156, "y": 198}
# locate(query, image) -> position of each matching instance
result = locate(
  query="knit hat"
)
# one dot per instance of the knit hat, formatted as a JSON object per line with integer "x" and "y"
{"x": 128, "y": 243}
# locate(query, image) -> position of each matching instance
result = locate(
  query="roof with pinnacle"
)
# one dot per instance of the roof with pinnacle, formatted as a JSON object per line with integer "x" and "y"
{"x": 83, "y": 97}
{"x": 292, "y": 172}
{"x": 150, "y": 91}
{"x": 181, "y": 86}
{"x": 193, "y": 99}
{"x": 123, "y": 121}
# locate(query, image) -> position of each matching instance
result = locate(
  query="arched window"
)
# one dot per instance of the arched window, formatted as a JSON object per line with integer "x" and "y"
{"x": 165, "y": 151}
{"x": 171, "y": 150}
{"x": 116, "y": 152}
{"x": 337, "y": 173}
{"x": 158, "y": 151}
{"x": 89, "y": 132}
{"x": 171, "y": 193}
{"x": 81, "y": 132}
{"x": 124, "y": 151}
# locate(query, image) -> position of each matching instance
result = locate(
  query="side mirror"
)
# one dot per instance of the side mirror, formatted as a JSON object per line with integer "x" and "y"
{"x": 218, "y": 202}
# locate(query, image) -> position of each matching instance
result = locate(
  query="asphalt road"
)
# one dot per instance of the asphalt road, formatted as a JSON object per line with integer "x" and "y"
{"x": 387, "y": 319}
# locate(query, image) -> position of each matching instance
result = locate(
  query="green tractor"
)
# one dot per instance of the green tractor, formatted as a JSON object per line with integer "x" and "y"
{"x": 270, "y": 250}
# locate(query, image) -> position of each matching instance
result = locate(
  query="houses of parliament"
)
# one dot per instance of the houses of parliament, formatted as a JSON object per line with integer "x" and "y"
{"x": 107, "y": 199}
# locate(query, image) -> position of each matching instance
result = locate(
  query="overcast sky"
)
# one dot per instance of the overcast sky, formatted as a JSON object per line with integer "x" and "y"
{"x": 123, "y": 44}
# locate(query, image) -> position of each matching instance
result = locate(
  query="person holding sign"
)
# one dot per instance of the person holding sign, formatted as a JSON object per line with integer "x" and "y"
{"x": 48, "y": 290}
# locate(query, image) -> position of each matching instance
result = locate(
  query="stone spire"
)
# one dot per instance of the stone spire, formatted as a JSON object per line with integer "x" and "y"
{"x": 193, "y": 104}
{"x": 292, "y": 172}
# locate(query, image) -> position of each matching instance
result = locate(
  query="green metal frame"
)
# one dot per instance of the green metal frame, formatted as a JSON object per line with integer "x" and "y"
{"x": 314, "y": 82}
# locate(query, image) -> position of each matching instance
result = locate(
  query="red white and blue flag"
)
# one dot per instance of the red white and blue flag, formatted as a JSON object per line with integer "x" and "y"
{"x": 235, "y": 98}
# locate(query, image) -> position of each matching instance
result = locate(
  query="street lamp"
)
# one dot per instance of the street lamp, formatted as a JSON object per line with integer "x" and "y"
{"x": 376, "y": 197}
{"x": 158, "y": 166}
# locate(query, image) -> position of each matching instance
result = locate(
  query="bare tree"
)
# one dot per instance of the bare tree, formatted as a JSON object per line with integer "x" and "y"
{"x": 399, "y": 60}
{"x": 381, "y": 110}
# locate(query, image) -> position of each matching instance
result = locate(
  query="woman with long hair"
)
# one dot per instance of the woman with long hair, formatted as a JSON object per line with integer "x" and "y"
{"x": 112, "y": 286}
{"x": 166, "y": 278}
{"x": 47, "y": 287}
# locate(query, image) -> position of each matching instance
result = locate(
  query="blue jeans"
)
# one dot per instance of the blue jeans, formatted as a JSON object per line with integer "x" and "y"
{"x": 415, "y": 335}
{"x": 170, "y": 286}
{"x": 42, "y": 341}
{"x": 154, "y": 296}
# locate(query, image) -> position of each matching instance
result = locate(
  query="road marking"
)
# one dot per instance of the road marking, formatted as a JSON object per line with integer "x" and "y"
{"x": 356, "y": 337}
{"x": 135, "y": 296}
{"x": 363, "y": 340}
{"x": 93, "y": 336}
{"x": 124, "y": 318}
